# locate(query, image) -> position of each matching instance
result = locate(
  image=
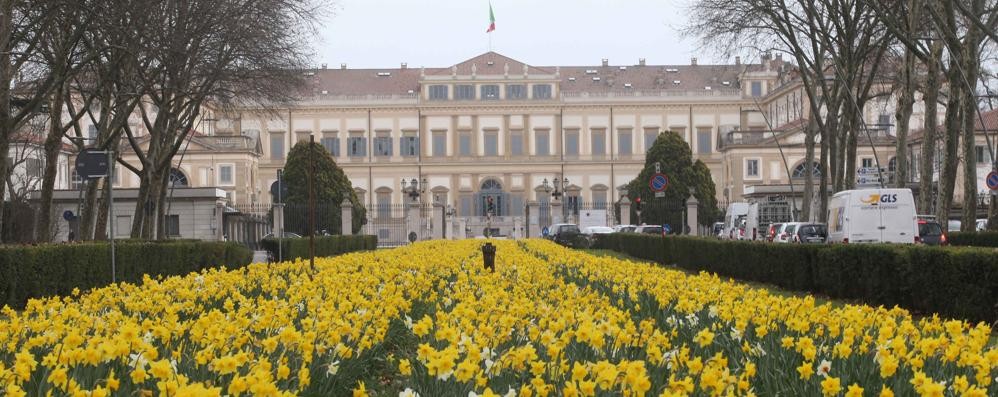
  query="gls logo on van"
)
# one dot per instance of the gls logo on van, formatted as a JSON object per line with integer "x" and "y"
{"x": 875, "y": 199}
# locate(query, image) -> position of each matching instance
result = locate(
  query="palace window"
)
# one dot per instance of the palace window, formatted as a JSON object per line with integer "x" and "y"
{"x": 490, "y": 92}
{"x": 464, "y": 92}
{"x": 542, "y": 91}
{"x": 438, "y": 92}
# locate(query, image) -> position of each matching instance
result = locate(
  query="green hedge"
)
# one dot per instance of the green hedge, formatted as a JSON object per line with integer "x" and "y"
{"x": 973, "y": 239}
{"x": 56, "y": 269}
{"x": 954, "y": 282}
{"x": 324, "y": 246}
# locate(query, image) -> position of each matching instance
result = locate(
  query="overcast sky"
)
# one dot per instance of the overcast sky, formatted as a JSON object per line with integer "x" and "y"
{"x": 440, "y": 33}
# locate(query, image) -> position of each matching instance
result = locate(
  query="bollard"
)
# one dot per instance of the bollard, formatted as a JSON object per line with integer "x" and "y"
{"x": 489, "y": 257}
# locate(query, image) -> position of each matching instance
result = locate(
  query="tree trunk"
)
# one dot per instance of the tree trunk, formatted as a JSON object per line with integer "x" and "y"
{"x": 926, "y": 166}
{"x": 905, "y": 106}
{"x": 947, "y": 177}
{"x": 53, "y": 143}
{"x": 88, "y": 216}
{"x": 812, "y": 128}
{"x": 971, "y": 69}
{"x": 823, "y": 178}
{"x": 856, "y": 123}
{"x": 103, "y": 213}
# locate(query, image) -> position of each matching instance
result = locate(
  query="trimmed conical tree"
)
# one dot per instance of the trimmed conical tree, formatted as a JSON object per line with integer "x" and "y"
{"x": 676, "y": 161}
{"x": 331, "y": 186}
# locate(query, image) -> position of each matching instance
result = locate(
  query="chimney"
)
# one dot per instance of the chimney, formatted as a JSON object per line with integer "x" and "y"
{"x": 765, "y": 57}
{"x": 779, "y": 57}
{"x": 343, "y": 66}
{"x": 693, "y": 61}
{"x": 405, "y": 66}
{"x": 323, "y": 66}
{"x": 738, "y": 60}
{"x": 641, "y": 62}
{"x": 606, "y": 62}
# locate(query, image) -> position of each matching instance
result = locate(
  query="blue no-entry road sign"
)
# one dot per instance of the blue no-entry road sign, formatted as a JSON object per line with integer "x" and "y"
{"x": 992, "y": 180}
{"x": 658, "y": 182}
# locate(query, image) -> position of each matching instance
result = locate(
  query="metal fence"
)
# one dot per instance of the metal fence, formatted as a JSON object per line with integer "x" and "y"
{"x": 389, "y": 223}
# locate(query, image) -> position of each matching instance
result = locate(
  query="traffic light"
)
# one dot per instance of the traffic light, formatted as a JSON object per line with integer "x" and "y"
{"x": 637, "y": 203}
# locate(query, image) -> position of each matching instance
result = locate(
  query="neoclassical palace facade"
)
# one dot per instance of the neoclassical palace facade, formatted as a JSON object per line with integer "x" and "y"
{"x": 492, "y": 126}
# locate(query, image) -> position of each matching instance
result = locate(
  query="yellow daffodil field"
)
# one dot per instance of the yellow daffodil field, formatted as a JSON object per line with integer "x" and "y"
{"x": 427, "y": 320}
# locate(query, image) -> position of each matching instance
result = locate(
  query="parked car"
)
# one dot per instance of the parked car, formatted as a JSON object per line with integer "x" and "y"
{"x": 872, "y": 216}
{"x": 810, "y": 233}
{"x": 285, "y": 234}
{"x": 982, "y": 225}
{"x": 649, "y": 229}
{"x": 591, "y": 230}
{"x": 567, "y": 234}
{"x": 786, "y": 231}
{"x": 931, "y": 233}
{"x": 954, "y": 225}
{"x": 624, "y": 229}
{"x": 774, "y": 228}
{"x": 717, "y": 229}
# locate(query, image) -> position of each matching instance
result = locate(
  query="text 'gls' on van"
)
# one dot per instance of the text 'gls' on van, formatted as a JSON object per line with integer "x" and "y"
{"x": 872, "y": 216}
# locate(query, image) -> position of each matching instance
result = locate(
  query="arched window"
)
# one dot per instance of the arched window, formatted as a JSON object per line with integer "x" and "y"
{"x": 491, "y": 199}
{"x": 177, "y": 178}
{"x": 800, "y": 171}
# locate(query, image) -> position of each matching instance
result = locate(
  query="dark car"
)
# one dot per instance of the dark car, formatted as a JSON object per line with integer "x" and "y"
{"x": 810, "y": 233}
{"x": 931, "y": 233}
{"x": 567, "y": 234}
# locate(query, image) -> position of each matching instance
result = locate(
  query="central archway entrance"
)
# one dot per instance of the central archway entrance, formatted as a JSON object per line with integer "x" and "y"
{"x": 491, "y": 199}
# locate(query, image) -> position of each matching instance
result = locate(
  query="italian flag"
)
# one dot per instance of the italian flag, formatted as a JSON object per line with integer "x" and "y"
{"x": 492, "y": 20}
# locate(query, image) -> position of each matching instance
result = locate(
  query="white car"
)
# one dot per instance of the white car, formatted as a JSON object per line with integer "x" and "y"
{"x": 982, "y": 225}
{"x": 786, "y": 231}
{"x": 624, "y": 228}
{"x": 591, "y": 230}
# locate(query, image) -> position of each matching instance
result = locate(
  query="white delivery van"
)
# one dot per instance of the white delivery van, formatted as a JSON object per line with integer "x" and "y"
{"x": 872, "y": 216}
{"x": 734, "y": 220}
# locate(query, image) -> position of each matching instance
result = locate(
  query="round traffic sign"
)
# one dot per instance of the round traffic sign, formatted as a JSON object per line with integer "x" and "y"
{"x": 992, "y": 180}
{"x": 68, "y": 215}
{"x": 658, "y": 182}
{"x": 667, "y": 228}
{"x": 545, "y": 232}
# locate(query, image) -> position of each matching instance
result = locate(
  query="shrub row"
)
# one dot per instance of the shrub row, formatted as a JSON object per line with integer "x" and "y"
{"x": 973, "y": 239}
{"x": 954, "y": 282}
{"x": 324, "y": 246}
{"x": 56, "y": 269}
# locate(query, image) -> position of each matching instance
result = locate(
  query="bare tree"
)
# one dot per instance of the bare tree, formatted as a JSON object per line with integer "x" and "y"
{"x": 209, "y": 52}
{"x": 837, "y": 49}
{"x": 24, "y": 84}
{"x": 62, "y": 52}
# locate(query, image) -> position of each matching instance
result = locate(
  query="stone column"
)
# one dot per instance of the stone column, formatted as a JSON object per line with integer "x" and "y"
{"x": 346, "y": 218}
{"x": 533, "y": 219}
{"x": 219, "y": 221}
{"x": 450, "y": 222}
{"x": 278, "y": 226}
{"x": 691, "y": 215}
{"x": 438, "y": 221}
{"x": 556, "y": 211}
{"x": 517, "y": 226}
{"x": 412, "y": 220}
{"x": 462, "y": 229}
{"x": 625, "y": 211}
